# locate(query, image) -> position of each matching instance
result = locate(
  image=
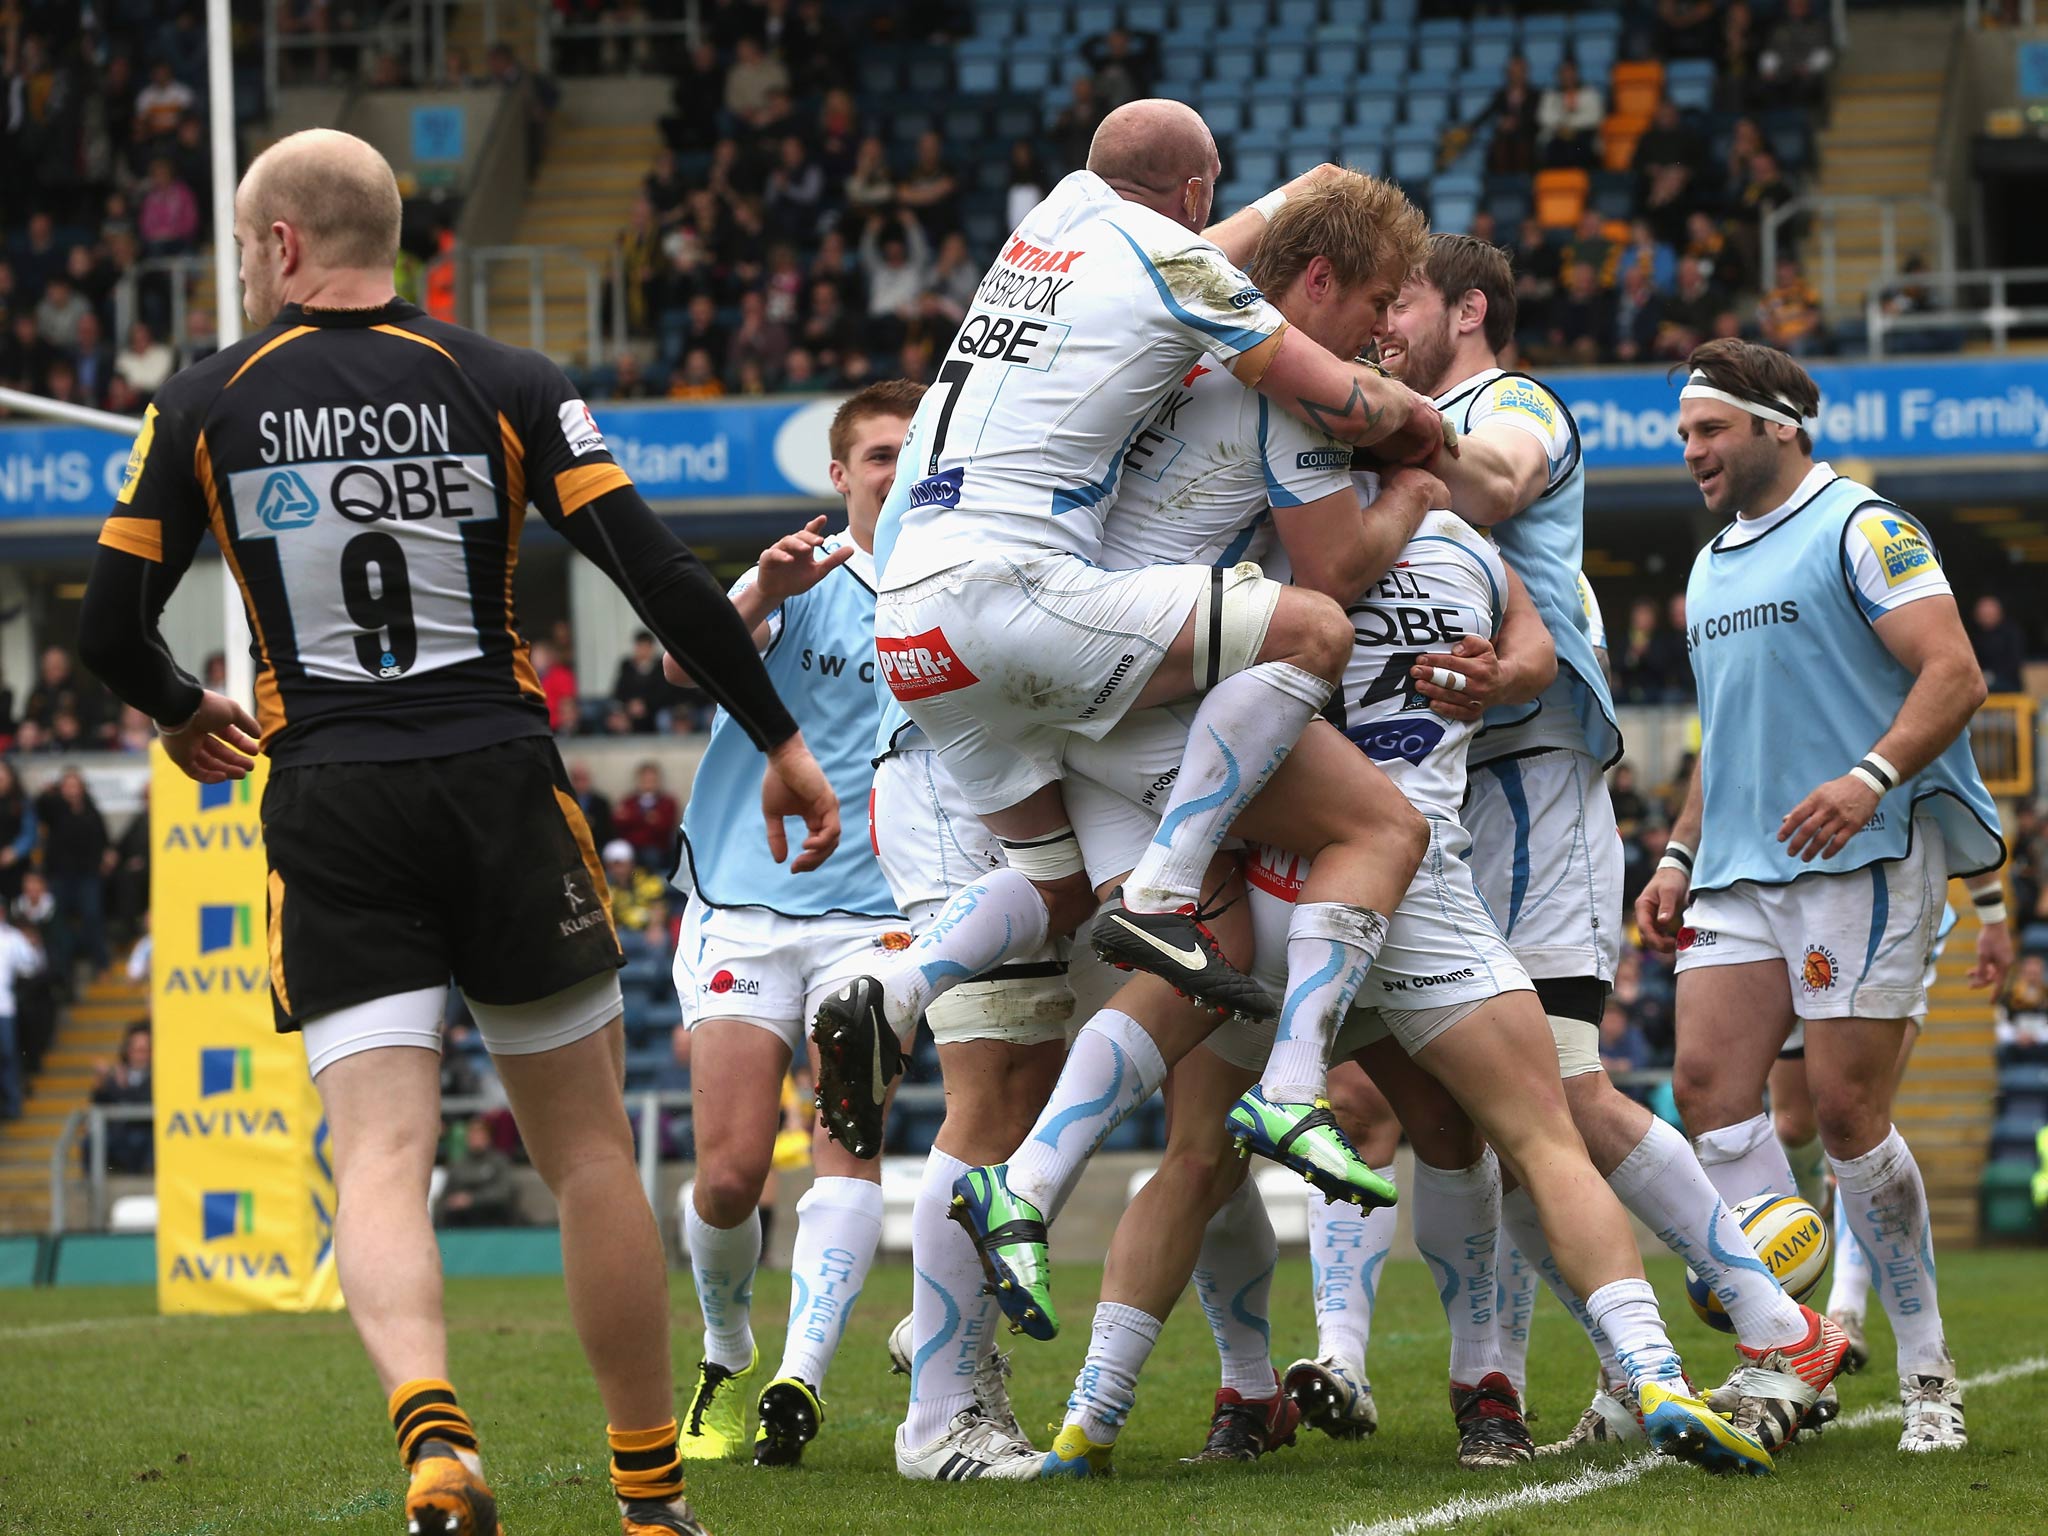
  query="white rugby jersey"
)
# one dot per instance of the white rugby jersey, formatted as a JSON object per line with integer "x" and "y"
{"x": 1094, "y": 310}
{"x": 1449, "y": 582}
{"x": 1204, "y": 469}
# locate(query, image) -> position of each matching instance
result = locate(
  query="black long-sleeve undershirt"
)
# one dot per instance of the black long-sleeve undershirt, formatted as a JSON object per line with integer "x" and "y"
{"x": 119, "y": 637}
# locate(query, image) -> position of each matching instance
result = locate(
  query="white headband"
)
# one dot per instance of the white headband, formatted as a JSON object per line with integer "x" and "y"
{"x": 1696, "y": 388}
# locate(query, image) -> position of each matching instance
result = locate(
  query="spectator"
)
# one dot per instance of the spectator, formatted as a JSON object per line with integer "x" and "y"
{"x": 816, "y": 47}
{"x": 829, "y": 332}
{"x": 1689, "y": 314}
{"x": 481, "y": 1191}
{"x": 1537, "y": 265}
{"x": 800, "y": 373}
{"x": 1685, "y": 29}
{"x": 697, "y": 94}
{"x": 640, "y": 262}
{"x": 77, "y": 857}
{"x": 758, "y": 341}
{"x": 2022, "y": 1011}
{"x": 1028, "y": 183}
{"x": 698, "y": 379}
{"x": 1622, "y": 1045}
{"x": 695, "y": 329}
{"x": 20, "y": 957}
{"x": 18, "y": 832}
{"x": 145, "y": 363}
{"x": 1765, "y": 190}
{"x": 629, "y": 379}
{"x": 1512, "y": 112}
{"x": 640, "y": 689}
{"x": 633, "y": 886}
{"x": 1735, "y": 81}
{"x": 1589, "y": 247}
{"x": 1073, "y": 131}
{"x": 646, "y": 820}
{"x": 895, "y": 262}
{"x": 795, "y": 200}
{"x": 1124, "y": 67}
{"x": 2028, "y": 870}
{"x": 557, "y": 685}
{"x": 35, "y": 909}
{"x": 1638, "y": 315}
{"x": 1911, "y": 296}
{"x": 952, "y": 283}
{"x": 1789, "y": 315}
{"x": 1568, "y": 119}
{"x": 872, "y": 186}
{"x": 837, "y": 139}
{"x": 162, "y": 104}
{"x": 1793, "y": 68}
{"x": 25, "y": 359}
{"x": 1668, "y": 201}
{"x": 1667, "y": 142}
{"x": 1630, "y": 808}
{"x": 755, "y": 79}
{"x": 59, "y": 689}
{"x": 1582, "y": 329}
{"x": 93, "y": 359}
{"x": 37, "y": 258}
{"x": 1639, "y": 659}
{"x": 130, "y": 880}
{"x": 62, "y": 310}
{"x": 168, "y": 219}
{"x": 1676, "y": 665}
{"x": 2001, "y": 648}
{"x": 126, "y": 1080}
{"x": 595, "y": 805}
{"x": 664, "y": 187}
{"x": 930, "y": 190}
{"x": 1645, "y": 250}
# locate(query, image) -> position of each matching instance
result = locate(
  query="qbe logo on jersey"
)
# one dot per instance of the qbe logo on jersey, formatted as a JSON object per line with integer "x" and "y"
{"x": 921, "y": 666}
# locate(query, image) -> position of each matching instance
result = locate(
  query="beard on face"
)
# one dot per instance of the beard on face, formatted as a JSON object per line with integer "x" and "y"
{"x": 1429, "y": 359}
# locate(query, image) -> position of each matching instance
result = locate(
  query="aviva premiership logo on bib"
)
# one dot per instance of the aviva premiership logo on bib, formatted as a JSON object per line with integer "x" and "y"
{"x": 1900, "y": 549}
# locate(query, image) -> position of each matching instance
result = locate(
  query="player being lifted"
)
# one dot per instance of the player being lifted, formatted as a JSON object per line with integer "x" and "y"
{"x": 760, "y": 945}
{"x": 1005, "y": 644}
{"x": 1547, "y": 852}
{"x": 1833, "y": 798}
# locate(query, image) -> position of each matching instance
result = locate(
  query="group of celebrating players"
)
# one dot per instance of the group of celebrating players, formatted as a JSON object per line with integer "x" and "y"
{"x": 1327, "y": 859}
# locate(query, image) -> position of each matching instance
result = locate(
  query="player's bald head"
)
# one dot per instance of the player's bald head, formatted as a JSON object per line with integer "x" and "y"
{"x": 335, "y": 190}
{"x": 1149, "y": 150}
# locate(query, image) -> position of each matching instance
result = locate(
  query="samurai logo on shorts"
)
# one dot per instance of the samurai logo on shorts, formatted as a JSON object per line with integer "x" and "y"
{"x": 1820, "y": 970}
{"x": 920, "y": 666}
{"x": 1697, "y": 938}
{"x": 725, "y": 982}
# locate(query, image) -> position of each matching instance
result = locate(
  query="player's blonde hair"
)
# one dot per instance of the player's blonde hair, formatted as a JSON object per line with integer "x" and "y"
{"x": 891, "y": 397}
{"x": 1364, "y": 226}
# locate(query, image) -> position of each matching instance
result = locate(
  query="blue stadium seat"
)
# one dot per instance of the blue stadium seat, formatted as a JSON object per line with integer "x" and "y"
{"x": 1599, "y": 24}
{"x": 1071, "y": 68}
{"x": 1273, "y": 112}
{"x": 1451, "y": 212}
{"x": 1411, "y": 164}
{"x": 1376, "y": 109}
{"x": 1689, "y": 69}
{"x": 1387, "y": 60}
{"x": 1614, "y": 194}
{"x": 1093, "y": 19}
{"x": 1145, "y": 15}
{"x": 1489, "y": 55}
{"x": 1690, "y": 94}
{"x": 1334, "y": 61}
{"x": 1029, "y": 74}
{"x": 1547, "y": 25}
{"x": 1184, "y": 61}
{"x": 1054, "y": 100}
{"x": 1595, "y": 58}
{"x": 1297, "y": 15}
{"x": 1260, "y": 165}
{"x": 881, "y": 75}
{"x": 1284, "y": 61}
{"x": 1233, "y": 64}
{"x": 1440, "y": 53}
{"x": 1015, "y": 119}
{"x": 1224, "y": 115}
{"x": 1269, "y": 141}
{"x": 1325, "y": 111}
{"x": 1362, "y": 152}
{"x": 964, "y": 124}
{"x": 1544, "y": 53}
{"x": 1339, "y": 33}
{"x": 1471, "y": 100}
{"x": 1432, "y": 107}
{"x": 1441, "y": 27}
{"x": 929, "y": 76}
{"x": 908, "y": 127}
{"x": 1457, "y": 184}
{"x": 1045, "y": 21}
{"x": 1307, "y": 146}
{"x": 1509, "y": 205}
{"x": 1177, "y": 90}
{"x": 1429, "y": 80}
{"x": 1240, "y": 194}
{"x": 1414, "y": 133}
{"x": 994, "y": 21}
{"x": 1493, "y": 27}
{"x": 979, "y": 77}
{"x": 1197, "y": 20}
{"x": 1396, "y": 10}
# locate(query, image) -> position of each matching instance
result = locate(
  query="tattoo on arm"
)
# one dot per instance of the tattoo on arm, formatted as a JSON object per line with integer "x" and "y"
{"x": 1335, "y": 420}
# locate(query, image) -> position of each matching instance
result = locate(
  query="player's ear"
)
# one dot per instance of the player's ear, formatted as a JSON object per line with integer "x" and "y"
{"x": 1472, "y": 310}
{"x": 840, "y": 482}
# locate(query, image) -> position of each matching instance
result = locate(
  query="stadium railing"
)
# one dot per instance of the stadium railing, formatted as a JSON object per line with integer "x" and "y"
{"x": 180, "y": 273}
{"x": 2002, "y": 740}
{"x": 1954, "y": 320}
{"x": 1826, "y": 212}
{"x": 417, "y": 29}
{"x": 598, "y": 277}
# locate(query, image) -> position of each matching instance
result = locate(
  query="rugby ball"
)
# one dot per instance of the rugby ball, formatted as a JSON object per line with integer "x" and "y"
{"x": 1789, "y": 1235}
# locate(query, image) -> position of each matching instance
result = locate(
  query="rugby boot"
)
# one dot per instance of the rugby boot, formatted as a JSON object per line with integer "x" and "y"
{"x": 1246, "y": 1428}
{"x": 715, "y": 1425}
{"x": 1179, "y": 949}
{"x": 1009, "y": 1234}
{"x": 790, "y": 1415}
{"x": 1779, "y": 1388}
{"x": 445, "y": 1498}
{"x": 1612, "y": 1418}
{"x": 1491, "y": 1430}
{"x": 1934, "y": 1413}
{"x": 1681, "y": 1425}
{"x": 1333, "y": 1398}
{"x": 1851, "y": 1323}
{"x": 1307, "y": 1138}
{"x": 1073, "y": 1454}
{"x": 991, "y": 1383}
{"x": 858, "y": 1058}
{"x": 973, "y": 1446}
{"x": 647, "y": 1517}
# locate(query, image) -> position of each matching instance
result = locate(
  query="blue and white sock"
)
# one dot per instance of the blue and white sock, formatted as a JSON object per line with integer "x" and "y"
{"x": 1234, "y": 1282}
{"x": 950, "y": 1313}
{"x": 1108, "y": 1384}
{"x": 988, "y": 922}
{"x": 1746, "y": 1159}
{"x": 1112, "y": 1068}
{"x": 1514, "y": 1310}
{"x": 1330, "y": 947}
{"x": 1626, "y": 1311}
{"x": 1849, "y": 1289}
{"x": 1457, "y": 1230}
{"x": 722, "y": 1261}
{"x": 1887, "y": 1206}
{"x": 838, "y": 1225}
{"x": 1346, "y": 1251}
{"x": 1242, "y": 731}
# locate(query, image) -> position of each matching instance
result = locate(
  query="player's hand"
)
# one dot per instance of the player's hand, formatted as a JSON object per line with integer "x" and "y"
{"x": 1659, "y": 909}
{"x": 1314, "y": 178}
{"x": 218, "y": 743}
{"x": 796, "y": 786}
{"x": 1822, "y": 824}
{"x": 1994, "y": 956}
{"x": 1463, "y": 684}
{"x": 789, "y": 565}
{"x": 1417, "y": 485}
{"x": 1424, "y": 433}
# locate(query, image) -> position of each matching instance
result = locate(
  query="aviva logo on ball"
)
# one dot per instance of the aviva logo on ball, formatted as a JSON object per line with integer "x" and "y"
{"x": 1791, "y": 1240}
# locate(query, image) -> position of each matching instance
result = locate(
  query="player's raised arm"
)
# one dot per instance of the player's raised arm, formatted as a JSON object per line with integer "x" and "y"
{"x": 1238, "y": 236}
{"x": 1348, "y": 401}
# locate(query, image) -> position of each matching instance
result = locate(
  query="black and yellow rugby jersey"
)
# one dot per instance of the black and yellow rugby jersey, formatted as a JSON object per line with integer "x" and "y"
{"x": 366, "y": 474}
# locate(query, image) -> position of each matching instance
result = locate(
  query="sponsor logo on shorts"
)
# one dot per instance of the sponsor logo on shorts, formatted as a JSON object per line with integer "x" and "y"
{"x": 1121, "y": 671}
{"x": 1419, "y": 983}
{"x": 1698, "y": 938}
{"x": 1820, "y": 970}
{"x": 1276, "y": 873}
{"x": 578, "y": 920}
{"x": 896, "y": 939}
{"x": 920, "y": 666}
{"x": 940, "y": 490}
{"x": 725, "y": 982}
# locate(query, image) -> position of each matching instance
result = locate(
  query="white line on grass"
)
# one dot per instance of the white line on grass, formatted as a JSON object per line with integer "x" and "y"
{"x": 1598, "y": 1479}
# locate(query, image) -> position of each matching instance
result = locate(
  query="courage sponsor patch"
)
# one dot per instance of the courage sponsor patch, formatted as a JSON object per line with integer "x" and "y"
{"x": 1899, "y": 548}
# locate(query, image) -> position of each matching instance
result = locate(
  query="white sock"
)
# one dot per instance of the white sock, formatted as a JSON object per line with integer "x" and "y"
{"x": 1108, "y": 1383}
{"x": 1457, "y": 1229}
{"x": 950, "y": 1316}
{"x": 1887, "y": 1214}
{"x": 722, "y": 1259}
{"x": 990, "y": 921}
{"x": 1744, "y": 1160}
{"x": 1243, "y": 730}
{"x": 1809, "y": 1162}
{"x": 1626, "y": 1311}
{"x": 1112, "y": 1068}
{"x": 1662, "y": 1184}
{"x": 1234, "y": 1282}
{"x": 1519, "y": 1220}
{"x": 1346, "y": 1251}
{"x": 1848, "y": 1290}
{"x": 838, "y": 1225}
{"x": 1514, "y": 1309}
{"x": 1330, "y": 947}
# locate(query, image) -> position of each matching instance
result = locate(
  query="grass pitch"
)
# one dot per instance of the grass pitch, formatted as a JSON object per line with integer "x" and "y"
{"x": 114, "y": 1422}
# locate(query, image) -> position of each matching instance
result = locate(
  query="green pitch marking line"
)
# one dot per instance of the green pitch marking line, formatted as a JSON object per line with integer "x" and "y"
{"x": 1599, "y": 1479}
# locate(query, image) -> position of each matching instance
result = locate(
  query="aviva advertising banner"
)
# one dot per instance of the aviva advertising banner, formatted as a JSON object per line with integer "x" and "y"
{"x": 245, "y": 1194}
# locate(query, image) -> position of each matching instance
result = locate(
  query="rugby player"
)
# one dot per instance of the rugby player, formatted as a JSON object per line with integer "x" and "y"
{"x": 761, "y": 945}
{"x": 1833, "y": 798}
{"x": 1005, "y": 644}
{"x": 1548, "y": 852}
{"x": 366, "y": 470}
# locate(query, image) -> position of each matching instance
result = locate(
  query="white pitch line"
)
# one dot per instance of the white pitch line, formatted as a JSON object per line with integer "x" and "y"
{"x": 83, "y": 1325}
{"x": 1598, "y": 1479}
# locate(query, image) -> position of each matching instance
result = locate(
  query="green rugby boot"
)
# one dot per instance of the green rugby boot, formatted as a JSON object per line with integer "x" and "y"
{"x": 1306, "y": 1138}
{"x": 1009, "y": 1234}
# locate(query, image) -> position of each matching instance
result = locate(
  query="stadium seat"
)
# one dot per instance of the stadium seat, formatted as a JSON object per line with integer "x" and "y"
{"x": 1561, "y": 197}
{"x": 1635, "y": 88}
{"x": 1493, "y": 28}
{"x": 1691, "y": 94}
{"x": 880, "y": 75}
{"x": 1363, "y": 152}
{"x": 1452, "y": 212}
{"x": 1470, "y": 101}
{"x": 1334, "y": 61}
{"x": 1457, "y": 183}
{"x": 1307, "y": 147}
{"x": 1614, "y": 194}
{"x": 1490, "y": 55}
{"x": 1184, "y": 61}
{"x": 1414, "y": 133}
{"x": 1432, "y": 107}
{"x": 930, "y": 77}
{"x": 1016, "y": 119}
{"x": 1272, "y": 113}
{"x": 1233, "y": 64}
{"x": 1029, "y": 74}
{"x": 1597, "y": 23}
{"x": 1412, "y": 164}
{"x": 1440, "y": 53}
{"x": 1045, "y": 21}
{"x": 1337, "y": 33}
{"x": 1093, "y": 19}
{"x": 1069, "y": 68}
{"x": 1543, "y": 53}
{"x": 1618, "y": 137}
{"x": 1297, "y": 15}
{"x": 1386, "y": 62}
{"x": 1438, "y": 27}
{"x": 1595, "y": 58}
{"x": 1377, "y": 110}
{"x": 1260, "y": 165}
{"x": 1420, "y": 79}
{"x": 994, "y": 22}
{"x": 1224, "y": 117}
{"x": 1197, "y": 20}
{"x": 1145, "y": 15}
{"x": 1325, "y": 112}
{"x": 1396, "y": 10}
{"x": 1509, "y": 206}
{"x": 1270, "y": 140}
{"x": 1177, "y": 90}
{"x": 1549, "y": 24}
{"x": 1284, "y": 61}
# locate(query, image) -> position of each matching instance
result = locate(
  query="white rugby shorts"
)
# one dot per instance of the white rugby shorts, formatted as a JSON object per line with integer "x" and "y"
{"x": 930, "y": 845}
{"x": 1442, "y": 958}
{"x": 1002, "y": 662}
{"x": 1854, "y": 945}
{"x": 1116, "y": 788}
{"x": 771, "y": 970}
{"x": 1547, "y": 859}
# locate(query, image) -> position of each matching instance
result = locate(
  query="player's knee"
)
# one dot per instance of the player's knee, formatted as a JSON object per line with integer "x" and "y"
{"x": 1205, "y": 1173}
{"x": 1319, "y": 633}
{"x": 1796, "y": 1124}
{"x": 1698, "y": 1091}
{"x": 1850, "y": 1121}
{"x": 728, "y": 1190}
{"x": 1069, "y": 903}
